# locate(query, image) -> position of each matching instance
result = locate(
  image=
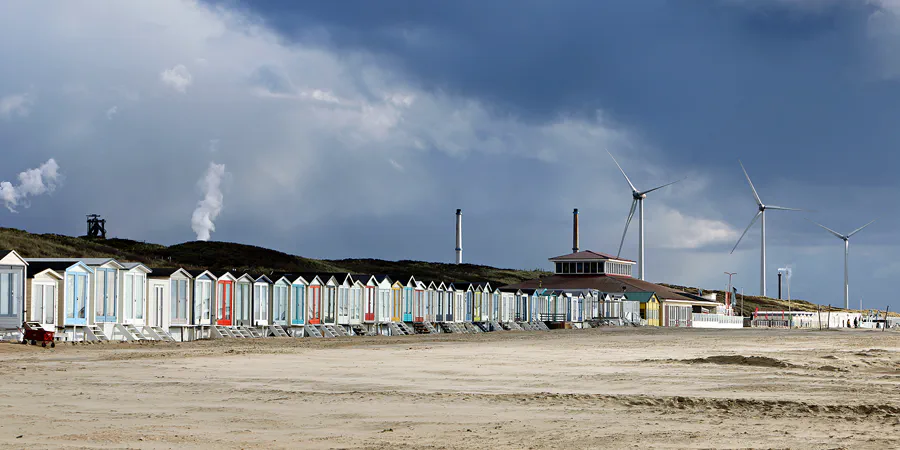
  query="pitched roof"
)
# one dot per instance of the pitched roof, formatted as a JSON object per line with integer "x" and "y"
{"x": 642, "y": 297}
{"x": 87, "y": 261}
{"x": 603, "y": 283}
{"x": 36, "y": 267}
{"x": 132, "y": 265}
{"x": 197, "y": 272}
{"x": 165, "y": 272}
{"x": 588, "y": 254}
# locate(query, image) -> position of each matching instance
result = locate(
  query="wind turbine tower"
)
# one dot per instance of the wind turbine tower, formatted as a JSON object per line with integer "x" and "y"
{"x": 760, "y": 214}
{"x": 637, "y": 202}
{"x": 846, "y": 239}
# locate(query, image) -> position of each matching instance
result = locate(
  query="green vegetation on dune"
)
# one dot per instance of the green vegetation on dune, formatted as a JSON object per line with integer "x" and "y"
{"x": 241, "y": 257}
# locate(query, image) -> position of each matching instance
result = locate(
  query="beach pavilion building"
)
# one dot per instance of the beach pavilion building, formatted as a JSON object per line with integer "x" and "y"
{"x": 606, "y": 274}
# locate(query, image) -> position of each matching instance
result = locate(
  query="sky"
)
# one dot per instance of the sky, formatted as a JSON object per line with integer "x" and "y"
{"x": 357, "y": 128}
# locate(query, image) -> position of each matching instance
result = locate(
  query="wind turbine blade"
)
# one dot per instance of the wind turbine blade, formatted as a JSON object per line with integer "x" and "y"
{"x": 860, "y": 228}
{"x": 660, "y": 187}
{"x": 782, "y": 208}
{"x": 755, "y": 194}
{"x": 755, "y": 218}
{"x": 634, "y": 189}
{"x": 627, "y": 222}
{"x": 835, "y": 233}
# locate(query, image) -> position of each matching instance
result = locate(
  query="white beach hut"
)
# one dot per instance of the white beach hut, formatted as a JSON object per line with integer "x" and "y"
{"x": 169, "y": 304}
{"x": 42, "y": 291}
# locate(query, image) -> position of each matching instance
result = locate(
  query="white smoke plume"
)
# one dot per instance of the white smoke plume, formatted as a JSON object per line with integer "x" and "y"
{"x": 211, "y": 205}
{"x": 32, "y": 182}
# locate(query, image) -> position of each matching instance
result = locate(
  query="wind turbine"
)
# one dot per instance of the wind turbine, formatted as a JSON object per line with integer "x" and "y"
{"x": 846, "y": 239}
{"x": 761, "y": 213}
{"x": 637, "y": 202}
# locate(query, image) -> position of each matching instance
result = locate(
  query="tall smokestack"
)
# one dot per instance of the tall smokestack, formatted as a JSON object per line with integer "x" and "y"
{"x": 459, "y": 236}
{"x": 575, "y": 237}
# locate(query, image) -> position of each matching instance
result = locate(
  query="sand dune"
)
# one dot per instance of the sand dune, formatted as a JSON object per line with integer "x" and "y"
{"x": 617, "y": 388}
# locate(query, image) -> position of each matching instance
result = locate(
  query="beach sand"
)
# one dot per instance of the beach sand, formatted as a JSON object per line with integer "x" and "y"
{"x": 600, "y": 388}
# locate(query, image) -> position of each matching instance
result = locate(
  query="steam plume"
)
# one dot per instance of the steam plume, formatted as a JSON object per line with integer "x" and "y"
{"x": 211, "y": 205}
{"x": 32, "y": 182}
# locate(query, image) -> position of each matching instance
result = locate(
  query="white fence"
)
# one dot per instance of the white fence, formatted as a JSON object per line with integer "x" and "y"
{"x": 717, "y": 321}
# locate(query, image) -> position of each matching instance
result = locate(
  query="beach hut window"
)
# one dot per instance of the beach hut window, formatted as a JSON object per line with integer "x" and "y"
{"x": 331, "y": 304}
{"x": 44, "y": 296}
{"x": 202, "y": 300}
{"x": 134, "y": 296}
{"x": 299, "y": 304}
{"x": 179, "y": 301}
{"x": 105, "y": 301}
{"x": 344, "y": 307}
{"x": 9, "y": 294}
{"x": 76, "y": 298}
{"x": 579, "y": 267}
{"x": 357, "y": 303}
{"x": 261, "y": 303}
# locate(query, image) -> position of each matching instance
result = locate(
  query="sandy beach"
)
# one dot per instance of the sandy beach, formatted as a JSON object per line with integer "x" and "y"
{"x": 602, "y": 388}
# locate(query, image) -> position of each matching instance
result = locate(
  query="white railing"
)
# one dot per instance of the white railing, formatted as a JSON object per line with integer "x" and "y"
{"x": 717, "y": 321}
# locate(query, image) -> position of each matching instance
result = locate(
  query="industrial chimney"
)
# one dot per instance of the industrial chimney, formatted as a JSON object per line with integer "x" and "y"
{"x": 575, "y": 237}
{"x": 459, "y": 236}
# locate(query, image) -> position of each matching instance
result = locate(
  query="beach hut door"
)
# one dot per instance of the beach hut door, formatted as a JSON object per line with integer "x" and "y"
{"x": 106, "y": 295}
{"x": 158, "y": 293}
{"x": 76, "y": 299}
{"x": 226, "y": 293}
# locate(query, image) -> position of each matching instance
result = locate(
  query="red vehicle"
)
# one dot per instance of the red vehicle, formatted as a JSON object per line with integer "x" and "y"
{"x": 35, "y": 333}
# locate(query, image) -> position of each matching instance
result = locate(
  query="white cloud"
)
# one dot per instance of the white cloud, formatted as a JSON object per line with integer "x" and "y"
{"x": 32, "y": 182}
{"x": 672, "y": 229}
{"x": 15, "y": 105}
{"x": 111, "y": 112}
{"x": 177, "y": 78}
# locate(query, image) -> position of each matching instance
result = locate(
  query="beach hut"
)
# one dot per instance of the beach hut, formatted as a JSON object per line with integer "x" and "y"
{"x": 441, "y": 303}
{"x": 357, "y": 300}
{"x": 508, "y": 305}
{"x": 344, "y": 283}
{"x": 369, "y": 298}
{"x": 409, "y": 289}
{"x": 75, "y": 313}
{"x": 329, "y": 299}
{"x": 224, "y": 298}
{"x": 262, "y": 286}
{"x": 384, "y": 303}
{"x": 649, "y": 306}
{"x": 242, "y": 315}
{"x": 477, "y": 302}
{"x": 134, "y": 293}
{"x": 297, "y": 308}
{"x": 418, "y": 309}
{"x": 204, "y": 291}
{"x": 281, "y": 293}
{"x": 396, "y": 301}
{"x": 315, "y": 300}
{"x": 432, "y": 300}
{"x": 169, "y": 303}
{"x": 42, "y": 291}
{"x": 13, "y": 271}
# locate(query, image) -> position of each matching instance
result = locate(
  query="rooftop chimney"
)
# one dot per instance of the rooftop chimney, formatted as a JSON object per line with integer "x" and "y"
{"x": 575, "y": 236}
{"x": 459, "y": 236}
